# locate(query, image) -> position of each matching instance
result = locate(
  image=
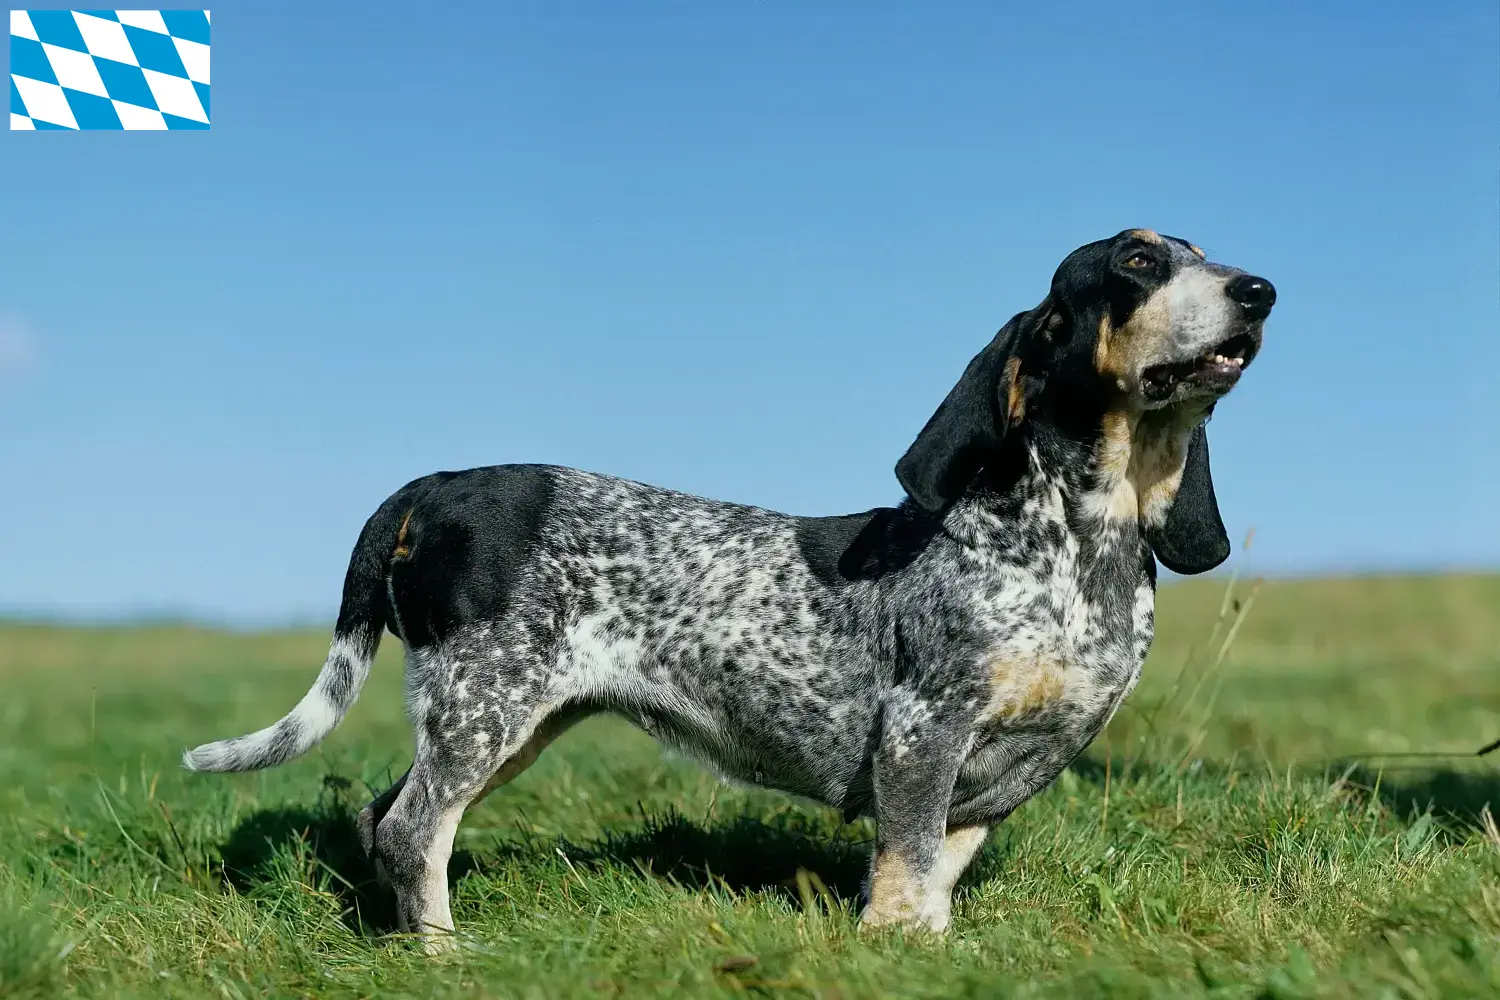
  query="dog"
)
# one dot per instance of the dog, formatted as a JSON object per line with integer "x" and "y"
{"x": 932, "y": 665}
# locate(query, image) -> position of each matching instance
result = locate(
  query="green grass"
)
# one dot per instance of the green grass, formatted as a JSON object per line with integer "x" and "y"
{"x": 1215, "y": 842}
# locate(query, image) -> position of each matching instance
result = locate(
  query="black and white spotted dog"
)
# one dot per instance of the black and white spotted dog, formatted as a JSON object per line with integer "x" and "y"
{"x": 933, "y": 664}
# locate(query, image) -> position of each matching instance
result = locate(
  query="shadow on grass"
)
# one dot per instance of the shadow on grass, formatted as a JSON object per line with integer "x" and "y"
{"x": 271, "y": 844}
{"x": 744, "y": 853}
{"x": 1455, "y": 793}
{"x": 1450, "y": 792}
{"x": 747, "y": 854}
{"x": 258, "y": 850}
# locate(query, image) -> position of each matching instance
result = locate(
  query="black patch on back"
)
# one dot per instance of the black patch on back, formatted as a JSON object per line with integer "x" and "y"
{"x": 469, "y": 536}
{"x": 865, "y": 546}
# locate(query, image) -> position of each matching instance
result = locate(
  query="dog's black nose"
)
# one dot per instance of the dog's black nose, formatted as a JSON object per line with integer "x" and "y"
{"x": 1256, "y": 295}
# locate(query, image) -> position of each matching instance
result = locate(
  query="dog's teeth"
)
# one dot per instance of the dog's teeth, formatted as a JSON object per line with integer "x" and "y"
{"x": 1238, "y": 362}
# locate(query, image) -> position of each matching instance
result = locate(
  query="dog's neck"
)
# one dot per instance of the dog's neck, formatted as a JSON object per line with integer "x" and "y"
{"x": 1135, "y": 464}
{"x": 1116, "y": 473}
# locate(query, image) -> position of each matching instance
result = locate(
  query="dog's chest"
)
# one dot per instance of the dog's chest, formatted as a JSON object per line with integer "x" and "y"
{"x": 1049, "y": 681}
{"x": 1064, "y": 642}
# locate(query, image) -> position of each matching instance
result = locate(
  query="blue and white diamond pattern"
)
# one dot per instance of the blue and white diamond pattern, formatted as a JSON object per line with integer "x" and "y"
{"x": 109, "y": 69}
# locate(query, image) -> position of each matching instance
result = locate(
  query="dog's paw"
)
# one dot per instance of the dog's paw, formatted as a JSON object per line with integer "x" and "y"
{"x": 928, "y": 917}
{"x": 439, "y": 944}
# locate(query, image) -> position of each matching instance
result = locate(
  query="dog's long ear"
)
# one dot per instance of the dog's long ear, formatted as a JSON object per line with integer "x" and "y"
{"x": 989, "y": 399}
{"x": 1192, "y": 538}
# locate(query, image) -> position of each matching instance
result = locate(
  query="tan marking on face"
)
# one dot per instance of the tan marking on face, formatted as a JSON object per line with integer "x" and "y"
{"x": 1146, "y": 235}
{"x": 1198, "y": 250}
{"x": 401, "y": 550}
{"x": 1103, "y": 360}
{"x": 1015, "y": 397}
{"x": 1121, "y": 352}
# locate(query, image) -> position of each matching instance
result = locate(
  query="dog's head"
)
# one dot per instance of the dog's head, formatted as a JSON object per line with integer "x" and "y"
{"x": 1137, "y": 327}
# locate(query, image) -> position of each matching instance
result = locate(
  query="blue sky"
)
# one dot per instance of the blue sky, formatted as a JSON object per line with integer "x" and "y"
{"x": 736, "y": 248}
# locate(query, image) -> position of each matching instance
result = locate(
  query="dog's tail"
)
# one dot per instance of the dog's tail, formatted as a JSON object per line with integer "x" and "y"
{"x": 356, "y": 637}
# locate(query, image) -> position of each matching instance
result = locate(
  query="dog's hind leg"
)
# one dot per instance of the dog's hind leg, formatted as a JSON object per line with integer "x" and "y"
{"x": 412, "y": 845}
{"x": 466, "y": 746}
{"x": 548, "y": 730}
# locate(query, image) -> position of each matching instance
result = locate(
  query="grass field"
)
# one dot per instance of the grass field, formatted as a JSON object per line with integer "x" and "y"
{"x": 1215, "y": 842}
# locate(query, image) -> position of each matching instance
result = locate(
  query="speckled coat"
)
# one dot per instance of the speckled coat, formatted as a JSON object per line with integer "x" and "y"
{"x": 933, "y": 664}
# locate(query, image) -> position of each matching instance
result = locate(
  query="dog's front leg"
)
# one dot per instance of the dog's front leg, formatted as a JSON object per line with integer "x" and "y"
{"x": 917, "y": 857}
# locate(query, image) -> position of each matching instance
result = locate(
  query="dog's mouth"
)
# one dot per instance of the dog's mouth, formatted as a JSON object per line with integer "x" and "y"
{"x": 1215, "y": 371}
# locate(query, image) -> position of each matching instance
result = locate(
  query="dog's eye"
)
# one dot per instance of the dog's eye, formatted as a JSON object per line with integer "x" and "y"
{"x": 1138, "y": 260}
